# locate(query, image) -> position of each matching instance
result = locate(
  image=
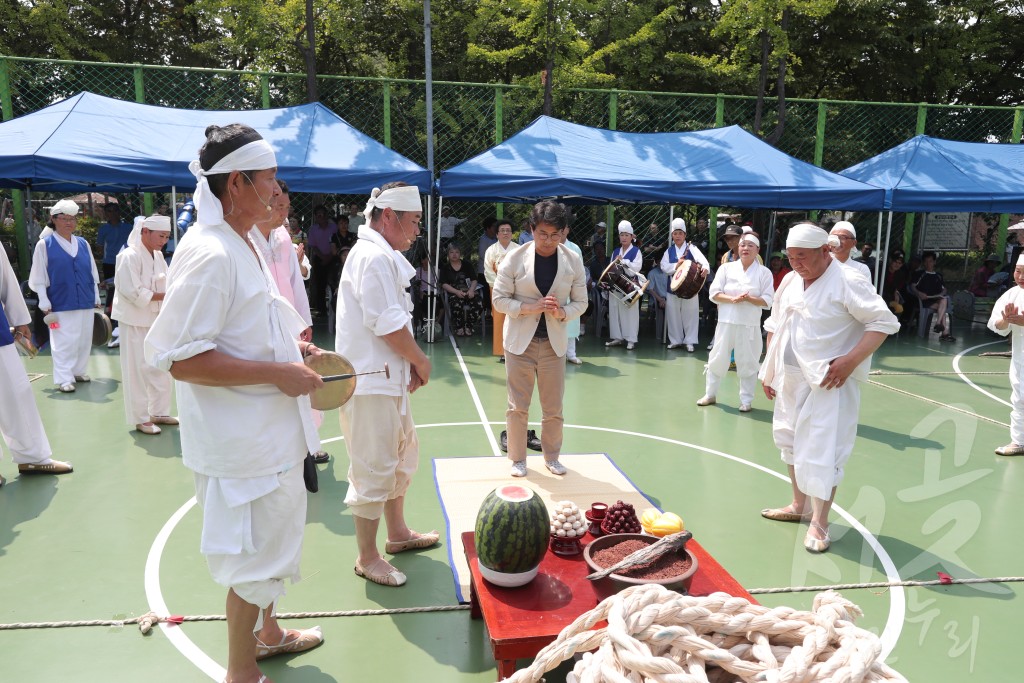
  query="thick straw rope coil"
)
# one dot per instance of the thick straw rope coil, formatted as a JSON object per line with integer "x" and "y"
{"x": 656, "y": 635}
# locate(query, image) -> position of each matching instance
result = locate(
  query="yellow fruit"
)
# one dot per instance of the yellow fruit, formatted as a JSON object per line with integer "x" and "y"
{"x": 649, "y": 517}
{"x": 668, "y": 523}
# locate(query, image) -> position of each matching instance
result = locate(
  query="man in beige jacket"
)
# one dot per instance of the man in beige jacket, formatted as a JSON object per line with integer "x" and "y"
{"x": 532, "y": 284}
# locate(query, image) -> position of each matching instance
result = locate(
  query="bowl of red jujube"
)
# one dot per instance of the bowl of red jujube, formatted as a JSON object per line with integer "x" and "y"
{"x": 673, "y": 570}
{"x": 621, "y": 519}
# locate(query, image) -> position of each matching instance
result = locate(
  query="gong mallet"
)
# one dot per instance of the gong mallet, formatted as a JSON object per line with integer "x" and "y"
{"x": 350, "y": 375}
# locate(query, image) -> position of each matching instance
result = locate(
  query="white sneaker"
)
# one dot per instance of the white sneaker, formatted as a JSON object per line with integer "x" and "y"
{"x": 614, "y": 342}
{"x": 630, "y": 346}
{"x": 745, "y": 408}
{"x": 66, "y": 388}
{"x": 519, "y": 468}
{"x": 711, "y": 346}
{"x": 705, "y": 400}
{"x": 554, "y": 467}
{"x": 673, "y": 346}
{"x": 83, "y": 378}
{"x": 689, "y": 347}
{"x": 114, "y": 343}
{"x": 574, "y": 361}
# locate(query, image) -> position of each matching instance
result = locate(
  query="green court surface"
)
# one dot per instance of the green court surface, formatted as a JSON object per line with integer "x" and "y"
{"x": 923, "y": 493}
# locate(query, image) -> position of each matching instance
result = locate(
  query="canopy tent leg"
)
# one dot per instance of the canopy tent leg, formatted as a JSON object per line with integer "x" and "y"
{"x": 885, "y": 254}
{"x": 878, "y": 243}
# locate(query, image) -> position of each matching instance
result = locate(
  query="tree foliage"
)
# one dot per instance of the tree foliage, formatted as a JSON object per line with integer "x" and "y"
{"x": 964, "y": 51}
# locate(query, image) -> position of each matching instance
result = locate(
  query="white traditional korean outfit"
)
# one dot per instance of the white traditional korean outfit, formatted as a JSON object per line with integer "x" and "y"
{"x": 245, "y": 444}
{"x": 815, "y": 428}
{"x": 682, "y": 316}
{"x": 739, "y": 326}
{"x": 623, "y": 320}
{"x": 20, "y": 424}
{"x": 138, "y": 275}
{"x": 1014, "y": 295}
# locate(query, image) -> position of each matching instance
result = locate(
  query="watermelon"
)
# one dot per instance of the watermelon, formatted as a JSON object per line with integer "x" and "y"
{"x": 512, "y": 535}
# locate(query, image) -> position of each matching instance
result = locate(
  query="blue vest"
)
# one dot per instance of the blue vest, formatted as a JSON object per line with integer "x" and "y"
{"x": 6, "y": 338}
{"x": 672, "y": 257}
{"x": 629, "y": 256}
{"x": 71, "y": 285}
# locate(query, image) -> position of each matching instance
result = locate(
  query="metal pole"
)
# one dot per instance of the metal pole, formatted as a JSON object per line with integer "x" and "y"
{"x": 878, "y": 243}
{"x": 430, "y": 89}
{"x": 885, "y": 254}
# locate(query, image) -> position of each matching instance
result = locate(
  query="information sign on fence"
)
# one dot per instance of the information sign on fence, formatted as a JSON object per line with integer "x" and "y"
{"x": 945, "y": 231}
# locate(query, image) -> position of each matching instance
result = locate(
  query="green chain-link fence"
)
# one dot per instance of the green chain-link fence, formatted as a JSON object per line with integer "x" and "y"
{"x": 469, "y": 118}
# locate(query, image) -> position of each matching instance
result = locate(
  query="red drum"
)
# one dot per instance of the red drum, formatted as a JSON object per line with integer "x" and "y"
{"x": 619, "y": 279}
{"x": 688, "y": 279}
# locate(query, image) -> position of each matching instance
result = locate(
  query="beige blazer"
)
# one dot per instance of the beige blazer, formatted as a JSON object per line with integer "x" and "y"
{"x": 515, "y": 286}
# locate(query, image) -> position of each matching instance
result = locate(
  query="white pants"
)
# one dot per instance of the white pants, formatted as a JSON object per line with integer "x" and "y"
{"x": 70, "y": 345}
{"x": 1017, "y": 401}
{"x": 815, "y": 429}
{"x": 570, "y": 350}
{"x": 682, "y": 317}
{"x": 623, "y": 321}
{"x": 20, "y": 424}
{"x": 383, "y": 452}
{"x": 147, "y": 390}
{"x": 273, "y": 524}
{"x": 746, "y": 341}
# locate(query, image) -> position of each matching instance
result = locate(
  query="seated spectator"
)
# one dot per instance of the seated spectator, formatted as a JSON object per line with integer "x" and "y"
{"x": 464, "y": 301}
{"x": 894, "y": 286}
{"x": 979, "y": 285}
{"x": 930, "y": 289}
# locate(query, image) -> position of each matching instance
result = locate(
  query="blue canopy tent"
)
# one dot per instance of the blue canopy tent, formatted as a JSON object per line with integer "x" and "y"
{"x": 931, "y": 174}
{"x": 719, "y": 167}
{"x": 103, "y": 144}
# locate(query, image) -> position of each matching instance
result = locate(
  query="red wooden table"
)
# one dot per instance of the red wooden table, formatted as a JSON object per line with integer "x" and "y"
{"x": 521, "y": 621}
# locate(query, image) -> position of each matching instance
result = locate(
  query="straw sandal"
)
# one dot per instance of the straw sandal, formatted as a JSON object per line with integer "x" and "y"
{"x": 1010, "y": 449}
{"x": 417, "y": 542}
{"x": 305, "y": 639}
{"x": 786, "y": 514}
{"x": 385, "y": 576}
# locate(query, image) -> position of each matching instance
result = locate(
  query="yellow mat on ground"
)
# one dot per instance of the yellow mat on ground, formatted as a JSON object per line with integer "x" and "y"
{"x": 463, "y": 483}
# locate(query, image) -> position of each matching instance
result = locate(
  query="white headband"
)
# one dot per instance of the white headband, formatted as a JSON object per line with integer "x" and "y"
{"x": 404, "y": 198}
{"x": 806, "y": 236}
{"x": 158, "y": 223}
{"x": 750, "y": 238}
{"x": 257, "y": 155}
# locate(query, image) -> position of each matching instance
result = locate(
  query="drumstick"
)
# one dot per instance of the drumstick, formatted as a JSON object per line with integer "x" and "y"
{"x": 350, "y": 375}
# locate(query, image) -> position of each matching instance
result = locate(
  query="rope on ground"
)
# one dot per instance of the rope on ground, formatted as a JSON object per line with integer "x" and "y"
{"x": 148, "y": 620}
{"x": 938, "y": 403}
{"x": 885, "y": 584}
{"x": 996, "y": 354}
{"x": 938, "y": 372}
{"x": 654, "y": 634}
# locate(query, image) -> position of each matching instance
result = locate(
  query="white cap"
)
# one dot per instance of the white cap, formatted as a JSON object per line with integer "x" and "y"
{"x": 65, "y": 206}
{"x": 602, "y": 225}
{"x": 678, "y": 224}
{"x": 626, "y": 226}
{"x": 844, "y": 225}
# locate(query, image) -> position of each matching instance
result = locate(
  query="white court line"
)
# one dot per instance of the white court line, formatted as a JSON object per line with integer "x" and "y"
{"x": 476, "y": 400}
{"x": 155, "y": 598}
{"x": 956, "y": 367}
